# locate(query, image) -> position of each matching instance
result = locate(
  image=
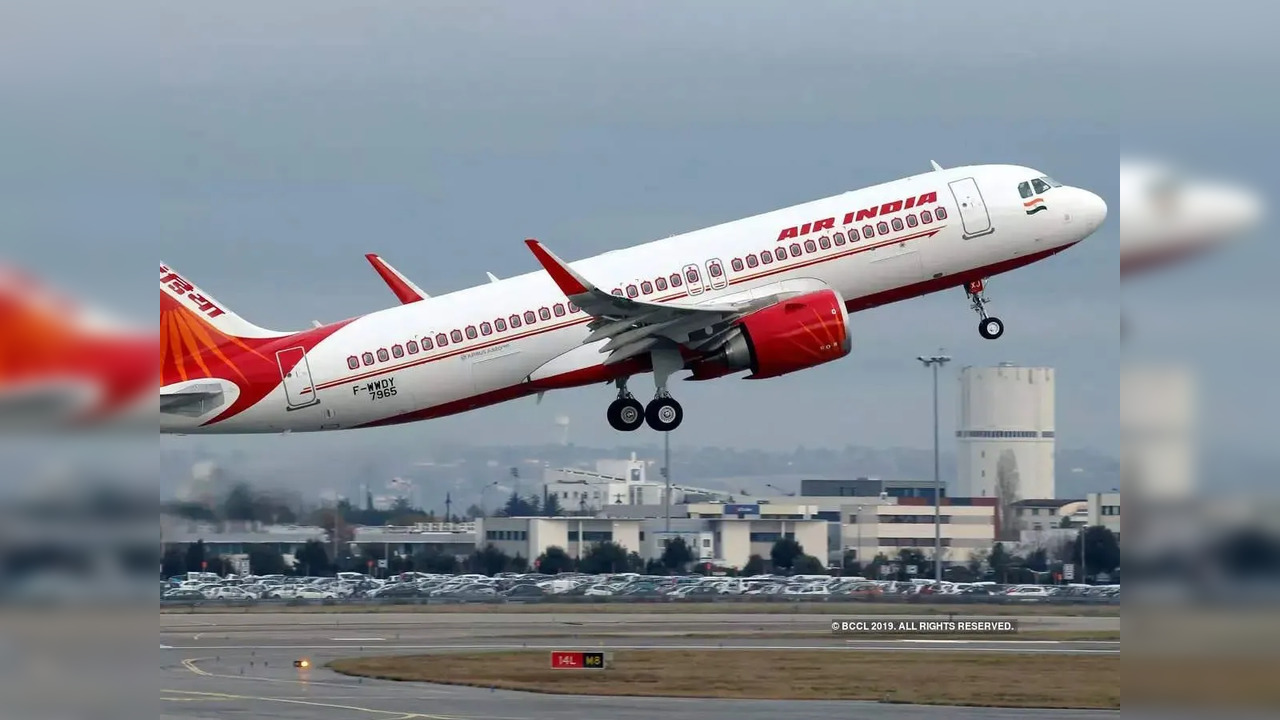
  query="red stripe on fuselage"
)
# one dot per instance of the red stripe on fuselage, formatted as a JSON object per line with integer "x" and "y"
{"x": 602, "y": 373}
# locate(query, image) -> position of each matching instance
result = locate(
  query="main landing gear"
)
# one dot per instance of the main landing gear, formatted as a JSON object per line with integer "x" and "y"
{"x": 988, "y": 327}
{"x": 662, "y": 413}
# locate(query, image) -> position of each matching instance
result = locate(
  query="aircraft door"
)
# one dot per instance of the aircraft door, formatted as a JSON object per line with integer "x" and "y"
{"x": 973, "y": 209}
{"x": 716, "y": 275}
{"x": 295, "y": 375}
{"x": 692, "y": 279}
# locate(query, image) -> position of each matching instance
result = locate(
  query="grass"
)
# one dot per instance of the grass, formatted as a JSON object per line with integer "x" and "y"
{"x": 730, "y": 608}
{"x": 1054, "y": 635}
{"x": 931, "y": 678}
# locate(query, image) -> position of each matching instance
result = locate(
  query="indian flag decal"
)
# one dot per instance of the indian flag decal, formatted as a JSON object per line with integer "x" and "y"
{"x": 1035, "y": 205}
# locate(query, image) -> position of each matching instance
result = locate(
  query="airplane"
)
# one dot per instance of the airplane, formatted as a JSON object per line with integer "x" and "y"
{"x": 1168, "y": 216}
{"x": 766, "y": 295}
{"x": 66, "y": 365}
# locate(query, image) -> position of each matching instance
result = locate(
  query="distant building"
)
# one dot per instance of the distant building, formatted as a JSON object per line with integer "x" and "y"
{"x": 1104, "y": 510}
{"x": 965, "y": 526}
{"x": 1035, "y": 515}
{"x": 613, "y": 482}
{"x": 458, "y": 539}
{"x": 870, "y": 487}
{"x": 1005, "y": 435}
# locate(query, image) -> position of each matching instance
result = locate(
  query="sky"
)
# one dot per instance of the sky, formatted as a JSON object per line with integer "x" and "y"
{"x": 262, "y": 149}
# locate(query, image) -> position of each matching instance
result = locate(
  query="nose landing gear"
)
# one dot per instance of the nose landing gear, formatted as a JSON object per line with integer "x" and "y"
{"x": 989, "y": 327}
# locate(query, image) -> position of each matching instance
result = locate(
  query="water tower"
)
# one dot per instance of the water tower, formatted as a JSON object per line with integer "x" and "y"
{"x": 562, "y": 422}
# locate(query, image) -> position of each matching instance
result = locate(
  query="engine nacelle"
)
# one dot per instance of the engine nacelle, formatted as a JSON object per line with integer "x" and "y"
{"x": 795, "y": 334}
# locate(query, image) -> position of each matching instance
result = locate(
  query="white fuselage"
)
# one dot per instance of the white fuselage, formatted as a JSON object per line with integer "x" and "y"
{"x": 978, "y": 226}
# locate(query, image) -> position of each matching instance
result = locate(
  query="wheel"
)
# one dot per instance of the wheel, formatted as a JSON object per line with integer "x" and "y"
{"x": 626, "y": 414}
{"x": 991, "y": 328}
{"x": 663, "y": 414}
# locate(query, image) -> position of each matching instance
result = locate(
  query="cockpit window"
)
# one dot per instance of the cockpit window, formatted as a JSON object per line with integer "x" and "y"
{"x": 1040, "y": 186}
{"x": 1024, "y": 189}
{"x": 1051, "y": 181}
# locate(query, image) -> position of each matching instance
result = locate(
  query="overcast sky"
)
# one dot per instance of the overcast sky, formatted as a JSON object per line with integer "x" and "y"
{"x": 263, "y": 148}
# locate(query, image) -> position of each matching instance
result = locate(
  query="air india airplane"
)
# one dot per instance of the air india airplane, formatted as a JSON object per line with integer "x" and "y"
{"x": 768, "y": 295}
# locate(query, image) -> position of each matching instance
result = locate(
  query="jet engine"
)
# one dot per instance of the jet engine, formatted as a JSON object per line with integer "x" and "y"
{"x": 797, "y": 333}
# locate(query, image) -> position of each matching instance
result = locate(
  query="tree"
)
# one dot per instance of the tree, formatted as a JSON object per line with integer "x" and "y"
{"x": 552, "y": 506}
{"x": 604, "y": 557}
{"x": 313, "y": 560}
{"x": 173, "y": 563}
{"x": 785, "y": 552}
{"x": 1008, "y": 486}
{"x": 635, "y": 563}
{"x": 654, "y": 567}
{"x": 999, "y": 561}
{"x": 1101, "y": 550}
{"x": 517, "y": 507}
{"x": 1037, "y": 560}
{"x": 912, "y": 556}
{"x": 519, "y": 564}
{"x": 554, "y": 561}
{"x": 489, "y": 560}
{"x": 809, "y": 565}
{"x": 473, "y": 511}
{"x": 849, "y": 565}
{"x": 435, "y": 562}
{"x": 196, "y": 557}
{"x": 677, "y": 555}
{"x": 265, "y": 560}
{"x": 754, "y": 566}
{"x": 873, "y": 571}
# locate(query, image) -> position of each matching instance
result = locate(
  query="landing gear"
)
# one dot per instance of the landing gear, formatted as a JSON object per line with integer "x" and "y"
{"x": 626, "y": 413}
{"x": 662, "y": 413}
{"x": 988, "y": 327}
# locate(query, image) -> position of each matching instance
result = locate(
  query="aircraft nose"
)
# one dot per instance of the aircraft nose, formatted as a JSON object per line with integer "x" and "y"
{"x": 1091, "y": 209}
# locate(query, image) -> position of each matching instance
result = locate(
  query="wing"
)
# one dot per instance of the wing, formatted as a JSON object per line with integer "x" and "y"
{"x": 632, "y": 327}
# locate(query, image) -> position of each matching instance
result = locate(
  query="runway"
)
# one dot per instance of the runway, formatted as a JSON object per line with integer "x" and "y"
{"x": 225, "y": 665}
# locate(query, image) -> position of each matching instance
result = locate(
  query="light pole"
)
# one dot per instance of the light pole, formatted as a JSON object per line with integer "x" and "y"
{"x": 857, "y": 554}
{"x": 666, "y": 473}
{"x": 483, "y": 504}
{"x": 935, "y": 362}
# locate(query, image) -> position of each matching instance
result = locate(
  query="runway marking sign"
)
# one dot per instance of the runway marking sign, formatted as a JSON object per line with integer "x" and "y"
{"x": 562, "y": 660}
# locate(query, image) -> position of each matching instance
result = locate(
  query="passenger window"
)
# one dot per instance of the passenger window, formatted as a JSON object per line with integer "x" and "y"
{"x": 397, "y": 351}
{"x": 824, "y": 242}
{"x": 617, "y": 291}
{"x": 486, "y": 328}
{"x": 426, "y": 344}
{"x": 926, "y": 217}
{"x": 882, "y": 227}
{"x": 544, "y": 313}
{"x": 1040, "y": 186}
{"x": 529, "y": 317}
{"x": 633, "y": 291}
{"x": 691, "y": 275}
{"x": 471, "y": 332}
{"x": 715, "y": 270}
{"x": 868, "y": 231}
{"x": 839, "y": 237}
{"x": 766, "y": 257}
{"x": 572, "y": 308}
{"x": 353, "y": 362}
{"x": 500, "y": 325}
{"x": 646, "y": 287}
{"x": 383, "y": 355}
{"x": 912, "y": 221}
{"x": 1024, "y": 189}
{"x": 558, "y": 309}
{"x": 780, "y": 253}
{"x": 897, "y": 223}
{"x": 795, "y": 249}
{"x": 442, "y": 340}
{"x": 455, "y": 335}
{"x": 411, "y": 347}
{"x": 941, "y": 213}
{"x": 515, "y": 321}
{"x": 661, "y": 284}
{"x": 752, "y": 261}
{"x": 811, "y": 246}
{"x": 367, "y": 358}
{"x": 675, "y": 280}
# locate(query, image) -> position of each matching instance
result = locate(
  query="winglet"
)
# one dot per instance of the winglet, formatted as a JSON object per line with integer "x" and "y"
{"x": 406, "y": 292}
{"x": 935, "y": 165}
{"x": 570, "y": 282}
{"x": 492, "y": 278}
